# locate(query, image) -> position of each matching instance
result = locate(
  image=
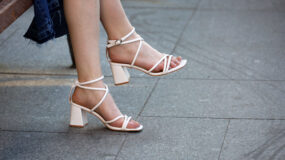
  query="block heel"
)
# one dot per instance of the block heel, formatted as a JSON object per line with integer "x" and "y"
{"x": 78, "y": 117}
{"x": 120, "y": 74}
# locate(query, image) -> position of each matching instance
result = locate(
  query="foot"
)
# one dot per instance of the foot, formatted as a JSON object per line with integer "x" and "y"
{"x": 146, "y": 59}
{"x": 108, "y": 109}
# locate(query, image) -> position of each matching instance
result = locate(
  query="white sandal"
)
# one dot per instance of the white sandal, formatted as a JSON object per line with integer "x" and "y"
{"x": 119, "y": 70}
{"x": 78, "y": 113}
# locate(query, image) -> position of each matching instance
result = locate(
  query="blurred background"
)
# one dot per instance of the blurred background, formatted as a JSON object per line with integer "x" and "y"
{"x": 228, "y": 103}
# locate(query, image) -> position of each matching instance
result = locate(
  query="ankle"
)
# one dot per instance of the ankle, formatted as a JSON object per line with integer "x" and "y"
{"x": 85, "y": 77}
{"x": 88, "y": 98}
{"x": 119, "y": 33}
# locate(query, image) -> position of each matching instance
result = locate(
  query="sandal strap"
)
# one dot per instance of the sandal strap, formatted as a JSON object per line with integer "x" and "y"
{"x": 91, "y": 81}
{"x": 137, "y": 53}
{"x": 81, "y": 85}
{"x": 102, "y": 99}
{"x": 112, "y": 43}
{"x": 157, "y": 63}
{"x": 106, "y": 89}
{"x": 113, "y": 120}
{"x": 167, "y": 61}
{"x": 126, "y": 121}
{"x": 165, "y": 69}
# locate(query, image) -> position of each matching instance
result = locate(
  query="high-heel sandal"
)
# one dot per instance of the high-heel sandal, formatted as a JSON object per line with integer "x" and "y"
{"x": 119, "y": 70}
{"x": 78, "y": 113}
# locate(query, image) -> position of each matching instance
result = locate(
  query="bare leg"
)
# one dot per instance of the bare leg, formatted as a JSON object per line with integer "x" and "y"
{"x": 83, "y": 23}
{"x": 117, "y": 25}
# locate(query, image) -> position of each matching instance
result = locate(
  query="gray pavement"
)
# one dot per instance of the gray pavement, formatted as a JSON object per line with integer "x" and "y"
{"x": 228, "y": 103}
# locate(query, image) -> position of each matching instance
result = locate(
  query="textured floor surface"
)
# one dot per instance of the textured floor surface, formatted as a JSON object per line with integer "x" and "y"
{"x": 228, "y": 103}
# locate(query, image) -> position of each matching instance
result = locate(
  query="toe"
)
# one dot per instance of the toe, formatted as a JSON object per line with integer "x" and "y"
{"x": 176, "y": 60}
{"x": 179, "y": 58}
{"x": 159, "y": 68}
{"x": 173, "y": 64}
{"x": 133, "y": 124}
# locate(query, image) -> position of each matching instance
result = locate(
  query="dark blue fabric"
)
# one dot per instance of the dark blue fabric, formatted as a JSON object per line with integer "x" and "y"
{"x": 48, "y": 22}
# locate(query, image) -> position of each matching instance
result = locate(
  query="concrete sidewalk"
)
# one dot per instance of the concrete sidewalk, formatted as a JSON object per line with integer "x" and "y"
{"x": 227, "y": 104}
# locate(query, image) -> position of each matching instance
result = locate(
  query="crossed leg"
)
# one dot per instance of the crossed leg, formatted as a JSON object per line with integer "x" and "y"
{"x": 117, "y": 25}
{"x": 83, "y": 19}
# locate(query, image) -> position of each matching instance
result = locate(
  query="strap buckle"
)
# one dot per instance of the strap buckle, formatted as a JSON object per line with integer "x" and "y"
{"x": 118, "y": 42}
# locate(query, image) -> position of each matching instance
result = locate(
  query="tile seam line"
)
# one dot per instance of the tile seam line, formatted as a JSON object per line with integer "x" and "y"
{"x": 125, "y": 134}
{"x": 143, "y": 107}
{"x": 222, "y": 146}
{"x": 203, "y": 9}
{"x": 8, "y": 37}
{"x": 148, "y": 97}
{"x": 224, "y": 79}
{"x": 185, "y": 26}
{"x": 51, "y": 132}
{"x": 38, "y": 74}
{"x": 257, "y": 119}
{"x": 50, "y": 74}
{"x": 121, "y": 147}
{"x": 158, "y": 7}
{"x": 169, "y": 78}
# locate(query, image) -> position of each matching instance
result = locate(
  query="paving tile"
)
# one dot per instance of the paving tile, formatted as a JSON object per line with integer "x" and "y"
{"x": 161, "y": 3}
{"x": 234, "y": 45}
{"x": 279, "y": 5}
{"x": 237, "y": 29}
{"x": 175, "y": 138}
{"x": 159, "y": 27}
{"x": 24, "y": 56}
{"x": 217, "y": 98}
{"x": 253, "y": 139}
{"x": 20, "y": 24}
{"x": 40, "y": 146}
{"x": 19, "y": 55}
{"x": 41, "y": 104}
{"x": 244, "y": 5}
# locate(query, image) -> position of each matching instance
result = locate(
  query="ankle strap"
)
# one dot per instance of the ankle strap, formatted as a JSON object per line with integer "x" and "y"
{"x": 91, "y": 81}
{"x": 112, "y": 43}
{"x": 81, "y": 85}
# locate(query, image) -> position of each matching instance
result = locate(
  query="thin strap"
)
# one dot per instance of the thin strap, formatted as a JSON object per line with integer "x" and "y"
{"x": 91, "y": 81}
{"x": 112, "y": 43}
{"x": 102, "y": 99}
{"x": 129, "y": 34}
{"x": 168, "y": 63}
{"x": 81, "y": 85}
{"x": 132, "y": 40}
{"x": 163, "y": 58}
{"x": 137, "y": 53}
{"x": 113, "y": 120}
{"x": 126, "y": 121}
{"x": 70, "y": 92}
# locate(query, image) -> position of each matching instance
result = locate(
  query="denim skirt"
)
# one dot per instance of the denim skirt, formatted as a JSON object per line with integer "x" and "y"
{"x": 48, "y": 21}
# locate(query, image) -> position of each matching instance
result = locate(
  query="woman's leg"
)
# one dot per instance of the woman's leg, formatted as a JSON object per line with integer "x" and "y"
{"x": 83, "y": 24}
{"x": 117, "y": 25}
